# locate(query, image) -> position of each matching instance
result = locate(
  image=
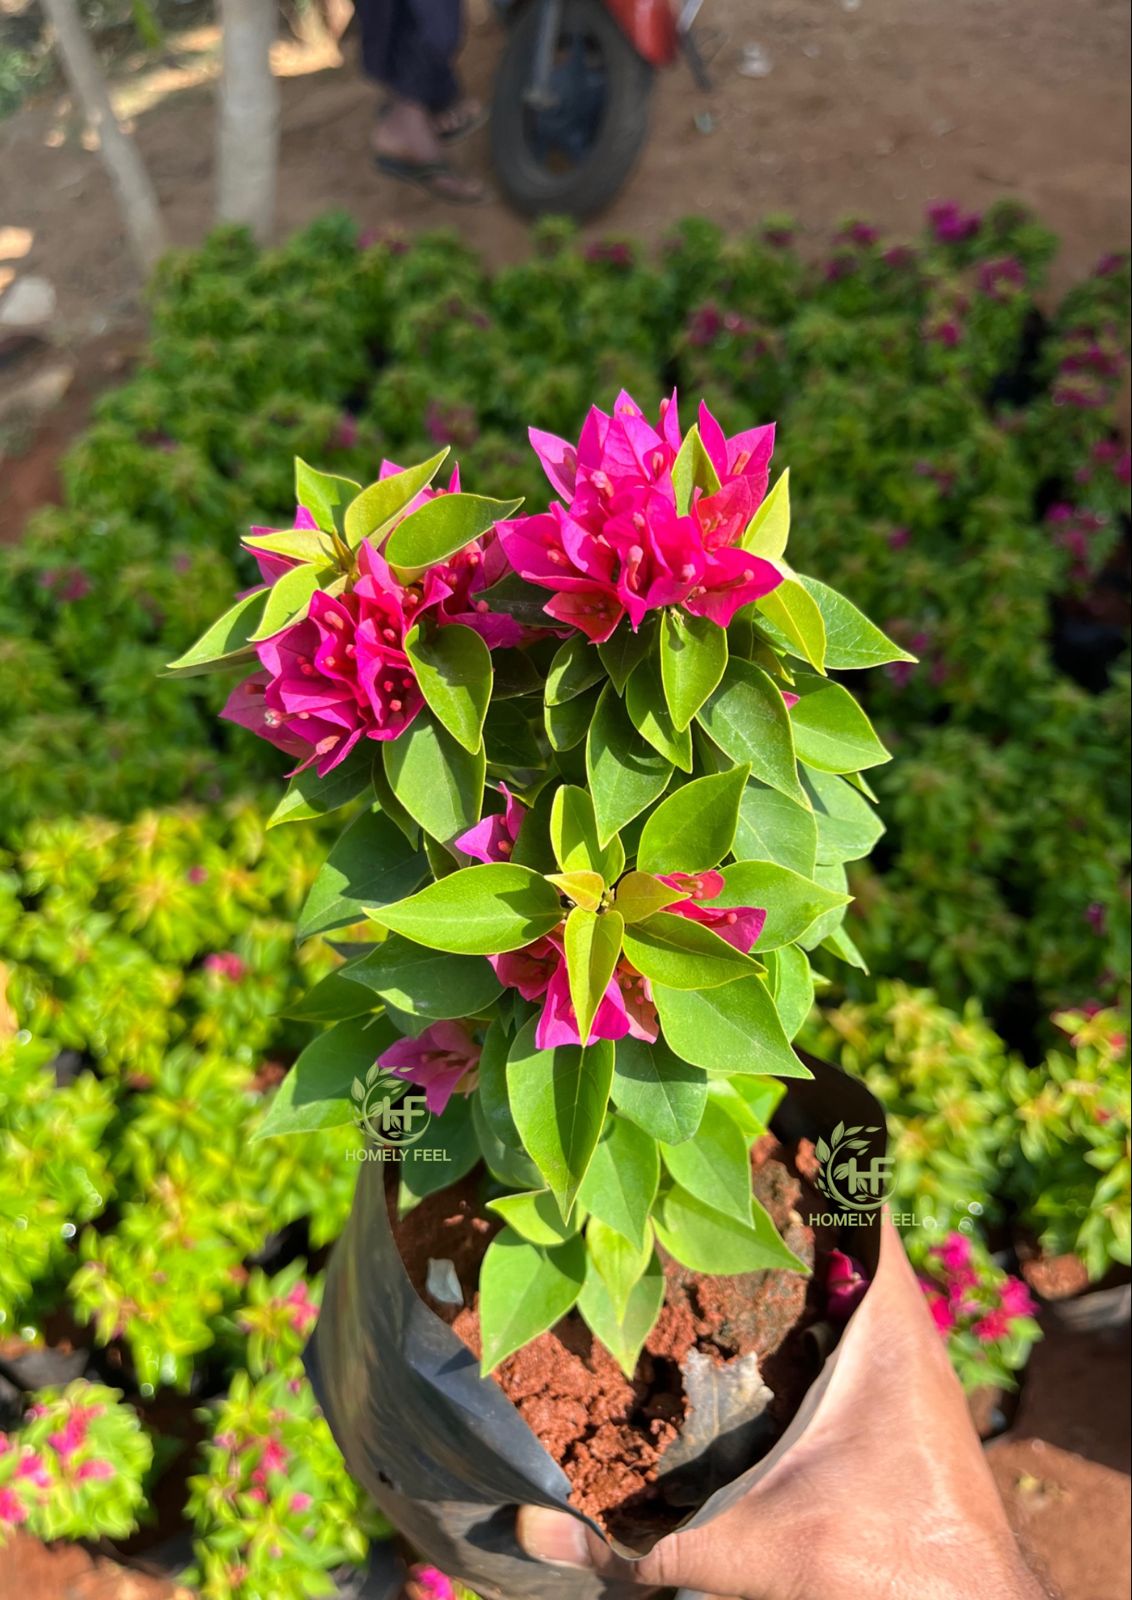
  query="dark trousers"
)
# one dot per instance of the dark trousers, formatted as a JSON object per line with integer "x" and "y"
{"x": 409, "y": 46}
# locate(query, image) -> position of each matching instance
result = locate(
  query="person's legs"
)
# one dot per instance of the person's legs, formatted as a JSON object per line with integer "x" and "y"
{"x": 408, "y": 46}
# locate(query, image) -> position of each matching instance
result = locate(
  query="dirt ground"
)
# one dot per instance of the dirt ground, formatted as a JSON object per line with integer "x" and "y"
{"x": 870, "y": 106}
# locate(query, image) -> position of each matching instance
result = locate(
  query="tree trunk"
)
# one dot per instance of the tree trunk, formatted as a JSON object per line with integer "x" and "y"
{"x": 136, "y": 196}
{"x": 248, "y": 145}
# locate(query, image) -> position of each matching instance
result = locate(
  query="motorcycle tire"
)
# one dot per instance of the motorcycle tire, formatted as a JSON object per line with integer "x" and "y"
{"x": 528, "y": 181}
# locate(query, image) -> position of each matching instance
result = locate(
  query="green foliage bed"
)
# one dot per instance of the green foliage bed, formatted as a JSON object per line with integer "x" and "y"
{"x": 957, "y": 472}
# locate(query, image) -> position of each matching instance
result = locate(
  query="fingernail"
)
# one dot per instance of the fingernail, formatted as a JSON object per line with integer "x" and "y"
{"x": 552, "y": 1536}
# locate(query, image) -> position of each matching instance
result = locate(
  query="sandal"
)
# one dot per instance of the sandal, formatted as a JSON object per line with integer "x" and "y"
{"x": 436, "y": 178}
{"x": 467, "y": 118}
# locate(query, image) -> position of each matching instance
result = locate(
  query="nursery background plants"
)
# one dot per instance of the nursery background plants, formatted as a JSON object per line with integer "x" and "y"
{"x": 956, "y": 471}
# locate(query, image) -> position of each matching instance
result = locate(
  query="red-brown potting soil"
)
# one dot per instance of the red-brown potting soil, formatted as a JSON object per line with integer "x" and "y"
{"x": 607, "y": 1432}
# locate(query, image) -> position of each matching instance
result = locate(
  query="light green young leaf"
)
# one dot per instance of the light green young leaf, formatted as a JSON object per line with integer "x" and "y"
{"x": 452, "y": 665}
{"x": 654, "y": 1088}
{"x": 792, "y": 903}
{"x": 370, "y": 514}
{"x": 834, "y": 877}
{"x": 684, "y": 954}
{"x": 324, "y": 495}
{"x": 442, "y": 526}
{"x": 830, "y": 729}
{"x": 747, "y": 718}
{"x": 790, "y": 980}
{"x": 714, "y": 1165}
{"x": 733, "y": 1028}
{"x": 372, "y": 864}
{"x": 536, "y": 1217}
{"x": 623, "y": 776}
{"x": 437, "y": 780}
{"x": 477, "y": 911}
{"x": 303, "y": 544}
{"x": 847, "y": 826}
{"x": 585, "y": 889}
{"x": 592, "y": 943}
{"x": 852, "y": 641}
{"x": 525, "y": 1289}
{"x": 225, "y": 644}
{"x": 288, "y": 599}
{"x": 640, "y": 895}
{"x": 649, "y": 714}
{"x": 706, "y": 1240}
{"x": 769, "y": 529}
{"x": 692, "y": 470}
{"x": 623, "y": 1337}
{"x": 694, "y": 827}
{"x": 622, "y": 1180}
{"x": 574, "y": 836}
{"x": 619, "y": 1264}
{"x": 558, "y": 1099}
{"x": 795, "y": 613}
{"x": 693, "y": 659}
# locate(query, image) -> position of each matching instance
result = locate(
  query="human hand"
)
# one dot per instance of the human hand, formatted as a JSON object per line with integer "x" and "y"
{"x": 886, "y": 1493}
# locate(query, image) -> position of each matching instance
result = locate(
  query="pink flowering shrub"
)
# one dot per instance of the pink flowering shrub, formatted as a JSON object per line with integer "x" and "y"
{"x": 577, "y": 744}
{"x": 75, "y": 1468}
{"x": 986, "y": 1316}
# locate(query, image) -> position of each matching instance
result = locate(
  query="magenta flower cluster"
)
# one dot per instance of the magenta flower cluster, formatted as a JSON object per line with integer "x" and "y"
{"x": 340, "y": 674}
{"x": 616, "y": 545}
{"x": 963, "y": 1299}
{"x": 28, "y": 1477}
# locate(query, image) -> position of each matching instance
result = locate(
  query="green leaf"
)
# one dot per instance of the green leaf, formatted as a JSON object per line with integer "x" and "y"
{"x": 706, "y": 1240}
{"x": 640, "y": 895}
{"x": 852, "y": 641}
{"x": 573, "y": 835}
{"x": 692, "y": 470}
{"x": 747, "y": 718}
{"x": 624, "y": 1337}
{"x": 372, "y": 864}
{"x": 832, "y": 876}
{"x": 623, "y": 777}
{"x": 333, "y": 999}
{"x": 619, "y": 1263}
{"x": 307, "y": 795}
{"x": 524, "y": 1290}
{"x": 592, "y": 942}
{"x": 694, "y": 827}
{"x": 514, "y": 597}
{"x": 622, "y": 1180}
{"x": 567, "y": 724}
{"x": 225, "y": 644}
{"x": 729, "y": 1029}
{"x": 791, "y": 982}
{"x": 499, "y": 1138}
{"x": 830, "y": 729}
{"x": 576, "y": 667}
{"x": 536, "y": 1217}
{"x": 654, "y": 1088}
{"x": 324, "y": 495}
{"x": 369, "y": 514}
{"x": 303, "y": 544}
{"x": 426, "y": 983}
{"x": 714, "y": 1165}
{"x": 446, "y": 1152}
{"x": 749, "y": 1102}
{"x": 693, "y": 659}
{"x": 649, "y": 714}
{"x": 792, "y": 903}
{"x": 288, "y": 600}
{"x": 442, "y": 526}
{"x": 452, "y": 666}
{"x": 438, "y": 781}
{"x": 316, "y": 1091}
{"x": 847, "y": 826}
{"x": 558, "y": 1099}
{"x": 624, "y": 649}
{"x": 769, "y": 529}
{"x": 683, "y": 954}
{"x": 585, "y": 889}
{"x": 794, "y": 612}
{"x": 840, "y": 944}
{"x": 772, "y": 827}
{"x": 477, "y": 911}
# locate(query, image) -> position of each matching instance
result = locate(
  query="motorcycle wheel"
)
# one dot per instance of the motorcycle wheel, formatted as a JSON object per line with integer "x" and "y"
{"x": 571, "y": 157}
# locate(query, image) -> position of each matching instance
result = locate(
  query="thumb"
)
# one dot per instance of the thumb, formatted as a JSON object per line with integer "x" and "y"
{"x": 692, "y": 1559}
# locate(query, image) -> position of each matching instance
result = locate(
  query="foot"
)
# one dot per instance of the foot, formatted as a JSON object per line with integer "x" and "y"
{"x": 406, "y": 146}
{"x": 457, "y": 121}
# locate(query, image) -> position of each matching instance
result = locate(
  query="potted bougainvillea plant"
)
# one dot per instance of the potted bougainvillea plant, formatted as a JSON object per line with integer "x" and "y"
{"x": 603, "y": 782}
